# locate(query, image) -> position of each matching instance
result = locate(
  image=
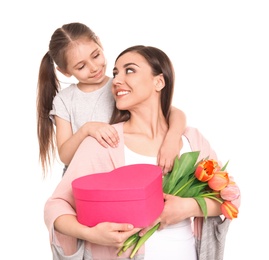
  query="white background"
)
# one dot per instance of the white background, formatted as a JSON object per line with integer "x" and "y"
{"x": 220, "y": 50}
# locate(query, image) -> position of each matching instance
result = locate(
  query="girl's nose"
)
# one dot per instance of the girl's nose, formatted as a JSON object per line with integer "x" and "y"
{"x": 93, "y": 67}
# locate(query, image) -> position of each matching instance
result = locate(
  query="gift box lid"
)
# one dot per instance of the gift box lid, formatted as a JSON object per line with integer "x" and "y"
{"x": 130, "y": 182}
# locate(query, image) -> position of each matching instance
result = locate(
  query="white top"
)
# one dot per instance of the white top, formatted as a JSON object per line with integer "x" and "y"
{"x": 78, "y": 107}
{"x": 177, "y": 241}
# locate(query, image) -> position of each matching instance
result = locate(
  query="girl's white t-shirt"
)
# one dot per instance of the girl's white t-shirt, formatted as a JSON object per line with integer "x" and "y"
{"x": 78, "y": 107}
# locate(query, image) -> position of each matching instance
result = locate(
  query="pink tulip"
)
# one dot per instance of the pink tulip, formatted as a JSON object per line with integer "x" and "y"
{"x": 230, "y": 192}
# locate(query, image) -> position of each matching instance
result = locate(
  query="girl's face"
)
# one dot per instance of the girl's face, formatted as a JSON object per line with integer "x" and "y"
{"x": 133, "y": 83}
{"x": 86, "y": 62}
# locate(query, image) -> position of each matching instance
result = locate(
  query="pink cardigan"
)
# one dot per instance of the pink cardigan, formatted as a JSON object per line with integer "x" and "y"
{"x": 91, "y": 157}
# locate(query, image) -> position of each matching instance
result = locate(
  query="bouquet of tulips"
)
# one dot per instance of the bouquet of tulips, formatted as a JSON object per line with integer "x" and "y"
{"x": 198, "y": 180}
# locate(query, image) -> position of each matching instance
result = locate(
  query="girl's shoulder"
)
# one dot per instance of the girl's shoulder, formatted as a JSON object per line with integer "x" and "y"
{"x": 68, "y": 94}
{"x": 68, "y": 90}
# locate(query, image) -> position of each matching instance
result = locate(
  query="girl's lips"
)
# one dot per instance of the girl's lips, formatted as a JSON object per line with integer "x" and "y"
{"x": 98, "y": 75}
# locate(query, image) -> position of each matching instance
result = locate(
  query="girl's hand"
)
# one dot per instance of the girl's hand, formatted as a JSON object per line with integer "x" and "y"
{"x": 104, "y": 133}
{"x": 167, "y": 153}
{"x": 172, "y": 143}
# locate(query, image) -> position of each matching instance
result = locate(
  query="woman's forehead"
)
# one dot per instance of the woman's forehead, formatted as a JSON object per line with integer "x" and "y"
{"x": 131, "y": 58}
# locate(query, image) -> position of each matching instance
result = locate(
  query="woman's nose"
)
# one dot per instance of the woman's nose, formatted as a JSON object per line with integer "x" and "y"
{"x": 117, "y": 80}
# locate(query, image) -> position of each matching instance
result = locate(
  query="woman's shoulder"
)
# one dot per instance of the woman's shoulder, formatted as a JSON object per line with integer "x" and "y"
{"x": 191, "y": 132}
{"x": 100, "y": 154}
{"x": 89, "y": 142}
{"x": 119, "y": 126}
{"x": 195, "y": 137}
{"x": 199, "y": 143}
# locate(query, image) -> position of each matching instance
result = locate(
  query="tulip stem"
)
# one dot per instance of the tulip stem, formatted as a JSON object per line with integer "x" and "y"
{"x": 183, "y": 186}
{"x": 143, "y": 239}
{"x": 211, "y": 196}
{"x": 129, "y": 242}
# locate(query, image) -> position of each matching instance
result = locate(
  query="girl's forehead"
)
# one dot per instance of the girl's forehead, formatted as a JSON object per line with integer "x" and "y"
{"x": 82, "y": 42}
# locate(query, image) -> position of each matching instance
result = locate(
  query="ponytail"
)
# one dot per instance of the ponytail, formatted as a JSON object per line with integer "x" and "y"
{"x": 47, "y": 88}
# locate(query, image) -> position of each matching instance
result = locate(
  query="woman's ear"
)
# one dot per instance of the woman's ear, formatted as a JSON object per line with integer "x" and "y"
{"x": 63, "y": 72}
{"x": 159, "y": 82}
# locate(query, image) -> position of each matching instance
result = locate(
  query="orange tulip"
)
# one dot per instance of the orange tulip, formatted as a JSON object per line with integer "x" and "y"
{"x": 206, "y": 169}
{"x": 229, "y": 210}
{"x": 219, "y": 180}
{"x": 230, "y": 192}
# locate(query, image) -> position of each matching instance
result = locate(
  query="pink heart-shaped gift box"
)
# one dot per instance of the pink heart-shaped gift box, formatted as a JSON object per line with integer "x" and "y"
{"x": 129, "y": 194}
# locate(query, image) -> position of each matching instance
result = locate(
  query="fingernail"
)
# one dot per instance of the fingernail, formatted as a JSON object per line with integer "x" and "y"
{"x": 130, "y": 226}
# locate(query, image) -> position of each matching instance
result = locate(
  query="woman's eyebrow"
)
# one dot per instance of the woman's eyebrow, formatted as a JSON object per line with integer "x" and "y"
{"x": 130, "y": 63}
{"x": 126, "y": 65}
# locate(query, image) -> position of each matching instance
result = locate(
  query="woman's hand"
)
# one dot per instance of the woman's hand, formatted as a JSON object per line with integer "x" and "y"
{"x": 106, "y": 233}
{"x": 111, "y": 234}
{"x": 176, "y": 209}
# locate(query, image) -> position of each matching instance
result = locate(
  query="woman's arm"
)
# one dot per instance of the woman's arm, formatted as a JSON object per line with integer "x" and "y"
{"x": 172, "y": 143}
{"x": 177, "y": 209}
{"x": 106, "y": 234}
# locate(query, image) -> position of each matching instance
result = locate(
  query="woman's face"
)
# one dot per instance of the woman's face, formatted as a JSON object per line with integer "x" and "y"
{"x": 133, "y": 82}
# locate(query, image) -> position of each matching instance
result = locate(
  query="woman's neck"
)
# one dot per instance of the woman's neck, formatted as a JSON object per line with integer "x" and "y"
{"x": 144, "y": 135}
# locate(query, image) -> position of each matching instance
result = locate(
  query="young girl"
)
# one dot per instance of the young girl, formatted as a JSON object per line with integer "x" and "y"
{"x": 84, "y": 109}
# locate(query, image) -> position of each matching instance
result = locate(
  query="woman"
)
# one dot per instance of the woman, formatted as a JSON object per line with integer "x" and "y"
{"x": 143, "y": 86}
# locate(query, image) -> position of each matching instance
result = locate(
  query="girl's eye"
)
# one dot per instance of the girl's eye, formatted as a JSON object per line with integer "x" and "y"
{"x": 81, "y": 67}
{"x": 96, "y": 56}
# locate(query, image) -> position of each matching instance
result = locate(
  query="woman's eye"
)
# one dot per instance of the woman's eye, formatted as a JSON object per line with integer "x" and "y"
{"x": 129, "y": 70}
